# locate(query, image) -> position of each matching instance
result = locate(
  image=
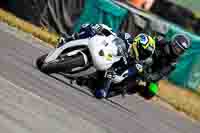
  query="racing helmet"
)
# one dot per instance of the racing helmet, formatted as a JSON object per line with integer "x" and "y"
{"x": 180, "y": 43}
{"x": 143, "y": 47}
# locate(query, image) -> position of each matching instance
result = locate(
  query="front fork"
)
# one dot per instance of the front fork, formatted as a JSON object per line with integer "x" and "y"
{"x": 107, "y": 81}
{"x": 107, "y": 85}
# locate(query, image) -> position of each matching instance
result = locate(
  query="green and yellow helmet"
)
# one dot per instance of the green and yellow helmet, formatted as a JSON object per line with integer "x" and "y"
{"x": 143, "y": 47}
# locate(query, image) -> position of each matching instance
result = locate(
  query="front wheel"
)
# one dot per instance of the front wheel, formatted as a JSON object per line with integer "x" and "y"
{"x": 64, "y": 65}
{"x": 40, "y": 61}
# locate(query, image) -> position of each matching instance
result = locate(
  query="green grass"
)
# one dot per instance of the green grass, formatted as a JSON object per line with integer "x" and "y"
{"x": 180, "y": 98}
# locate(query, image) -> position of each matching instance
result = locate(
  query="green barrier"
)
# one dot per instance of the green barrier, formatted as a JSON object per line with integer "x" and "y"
{"x": 187, "y": 73}
{"x": 101, "y": 11}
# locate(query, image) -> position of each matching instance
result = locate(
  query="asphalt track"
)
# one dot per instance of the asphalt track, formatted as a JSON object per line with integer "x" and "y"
{"x": 32, "y": 102}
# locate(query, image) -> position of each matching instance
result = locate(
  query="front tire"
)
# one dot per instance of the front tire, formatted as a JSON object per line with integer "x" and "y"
{"x": 40, "y": 61}
{"x": 65, "y": 65}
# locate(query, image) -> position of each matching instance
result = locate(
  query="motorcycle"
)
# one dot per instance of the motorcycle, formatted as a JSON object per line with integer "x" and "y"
{"x": 82, "y": 59}
{"x": 85, "y": 57}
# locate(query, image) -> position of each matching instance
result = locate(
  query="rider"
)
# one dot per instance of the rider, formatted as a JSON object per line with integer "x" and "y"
{"x": 166, "y": 55}
{"x": 141, "y": 52}
{"x": 140, "y": 59}
{"x": 164, "y": 59}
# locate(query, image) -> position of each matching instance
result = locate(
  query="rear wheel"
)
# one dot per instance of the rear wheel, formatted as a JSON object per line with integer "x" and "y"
{"x": 65, "y": 64}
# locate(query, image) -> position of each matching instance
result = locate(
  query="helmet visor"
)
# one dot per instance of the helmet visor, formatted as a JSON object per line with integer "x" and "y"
{"x": 176, "y": 48}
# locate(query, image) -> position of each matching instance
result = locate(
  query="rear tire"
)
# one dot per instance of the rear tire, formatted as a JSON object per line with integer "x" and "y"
{"x": 64, "y": 66}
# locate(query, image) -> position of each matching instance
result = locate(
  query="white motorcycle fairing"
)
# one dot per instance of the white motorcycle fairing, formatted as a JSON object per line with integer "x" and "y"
{"x": 103, "y": 51}
{"x": 96, "y": 44}
{"x": 53, "y": 55}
